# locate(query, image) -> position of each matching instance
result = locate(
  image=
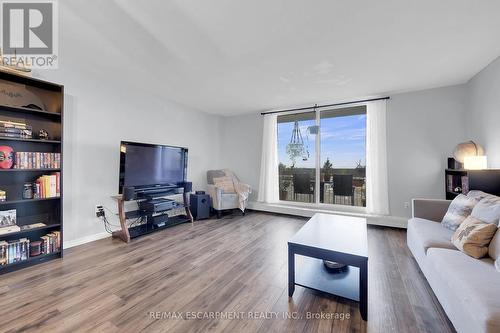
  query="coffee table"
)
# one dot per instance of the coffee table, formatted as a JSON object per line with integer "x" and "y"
{"x": 336, "y": 238}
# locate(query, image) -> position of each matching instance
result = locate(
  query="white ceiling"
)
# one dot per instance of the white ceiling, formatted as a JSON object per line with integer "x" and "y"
{"x": 234, "y": 56}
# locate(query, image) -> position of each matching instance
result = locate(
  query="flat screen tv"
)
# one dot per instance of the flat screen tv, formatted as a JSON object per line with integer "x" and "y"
{"x": 144, "y": 165}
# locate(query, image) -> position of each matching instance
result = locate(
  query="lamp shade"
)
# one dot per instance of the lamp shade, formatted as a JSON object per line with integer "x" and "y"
{"x": 475, "y": 162}
{"x": 469, "y": 148}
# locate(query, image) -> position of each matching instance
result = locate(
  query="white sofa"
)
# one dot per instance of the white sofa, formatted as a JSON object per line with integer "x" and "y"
{"x": 467, "y": 288}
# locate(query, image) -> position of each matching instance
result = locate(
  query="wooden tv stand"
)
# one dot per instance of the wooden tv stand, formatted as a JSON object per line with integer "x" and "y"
{"x": 126, "y": 233}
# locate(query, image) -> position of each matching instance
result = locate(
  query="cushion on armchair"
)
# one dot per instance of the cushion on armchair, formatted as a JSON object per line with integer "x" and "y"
{"x": 225, "y": 183}
{"x": 226, "y": 190}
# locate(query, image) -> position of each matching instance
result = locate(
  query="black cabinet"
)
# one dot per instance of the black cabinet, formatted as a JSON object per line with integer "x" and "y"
{"x": 462, "y": 181}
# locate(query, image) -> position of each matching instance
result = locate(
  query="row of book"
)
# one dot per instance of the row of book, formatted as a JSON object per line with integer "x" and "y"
{"x": 47, "y": 186}
{"x": 51, "y": 242}
{"x": 34, "y": 160}
{"x": 10, "y": 129}
{"x": 14, "y": 251}
{"x": 22, "y": 249}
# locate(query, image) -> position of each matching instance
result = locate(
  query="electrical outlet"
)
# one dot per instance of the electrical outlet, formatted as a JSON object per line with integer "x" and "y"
{"x": 99, "y": 211}
{"x": 407, "y": 205}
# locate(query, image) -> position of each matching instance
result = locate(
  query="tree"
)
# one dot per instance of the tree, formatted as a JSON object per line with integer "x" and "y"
{"x": 281, "y": 168}
{"x": 328, "y": 165}
{"x": 328, "y": 169}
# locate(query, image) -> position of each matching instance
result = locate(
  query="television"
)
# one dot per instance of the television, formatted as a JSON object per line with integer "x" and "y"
{"x": 144, "y": 165}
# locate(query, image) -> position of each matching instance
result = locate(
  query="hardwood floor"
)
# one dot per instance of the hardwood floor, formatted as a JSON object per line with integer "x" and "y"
{"x": 231, "y": 266}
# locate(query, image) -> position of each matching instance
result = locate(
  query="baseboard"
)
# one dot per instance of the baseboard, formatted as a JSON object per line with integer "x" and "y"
{"x": 86, "y": 239}
{"x": 387, "y": 221}
{"x": 382, "y": 220}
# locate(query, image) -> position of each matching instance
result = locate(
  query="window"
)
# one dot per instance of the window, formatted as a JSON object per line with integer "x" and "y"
{"x": 297, "y": 157}
{"x": 322, "y": 156}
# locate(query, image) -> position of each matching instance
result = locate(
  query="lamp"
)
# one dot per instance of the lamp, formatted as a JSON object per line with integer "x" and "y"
{"x": 475, "y": 162}
{"x": 469, "y": 148}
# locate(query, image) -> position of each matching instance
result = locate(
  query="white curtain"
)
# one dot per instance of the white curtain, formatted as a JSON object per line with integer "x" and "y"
{"x": 268, "y": 184}
{"x": 377, "y": 196}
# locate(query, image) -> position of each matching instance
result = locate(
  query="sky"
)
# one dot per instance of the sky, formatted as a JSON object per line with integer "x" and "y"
{"x": 343, "y": 141}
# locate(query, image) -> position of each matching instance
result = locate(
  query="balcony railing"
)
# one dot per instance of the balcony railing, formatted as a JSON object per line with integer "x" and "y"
{"x": 327, "y": 193}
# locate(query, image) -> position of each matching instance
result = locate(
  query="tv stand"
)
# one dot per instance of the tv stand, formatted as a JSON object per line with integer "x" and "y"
{"x": 127, "y": 233}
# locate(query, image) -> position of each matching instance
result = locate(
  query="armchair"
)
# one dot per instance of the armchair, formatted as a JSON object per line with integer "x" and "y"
{"x": 226, "y": 191}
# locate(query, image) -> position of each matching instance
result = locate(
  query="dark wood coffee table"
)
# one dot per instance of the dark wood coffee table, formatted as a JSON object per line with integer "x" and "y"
{"x": 336, "y": 238}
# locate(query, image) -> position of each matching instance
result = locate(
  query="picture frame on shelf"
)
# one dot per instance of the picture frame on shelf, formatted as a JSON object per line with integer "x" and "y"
{"x": 8, "y": 218}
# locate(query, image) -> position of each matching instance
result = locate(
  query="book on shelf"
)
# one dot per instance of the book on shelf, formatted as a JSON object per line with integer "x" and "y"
{"x": 3, "y": 253}
{"x": 37, "y": 160}
{"x": 48, "y": 186}
{"x": 449, "y": 183}
{"x": 19, "y": 250}
{"x": 32, "y": 226}
{"x": 11, "y": 129}
{"x": 13, "y": 124}
{"x": 9, "y": 230}
{"x": 14, "y": 251}
{"x": 465, "y": 184}
{"x": 51, "y": 242}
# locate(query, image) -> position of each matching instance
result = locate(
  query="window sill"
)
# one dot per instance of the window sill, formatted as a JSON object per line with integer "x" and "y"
{"x": 323, "y": 206}
{"x": 308, "y": 210}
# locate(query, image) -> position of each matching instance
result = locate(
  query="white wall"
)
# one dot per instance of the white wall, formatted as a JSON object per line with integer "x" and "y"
{"x": 106, "y": 103}
{"x": 241, "y": 146}
{"x": 483, "y": 111}
{"x": 96, "y": 120}
{"x": 110, "y": 97}
{"x": 422, "y": 130}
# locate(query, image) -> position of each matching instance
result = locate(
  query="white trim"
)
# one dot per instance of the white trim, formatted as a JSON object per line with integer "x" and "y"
{"x": 327, "y": 102}
{"x": 324, "y": 206}
{"x": 382, "y": 220}
{"x": 84, "y": 240}
{"x": 317, "y": 162}
{"x": 281, "y": 208}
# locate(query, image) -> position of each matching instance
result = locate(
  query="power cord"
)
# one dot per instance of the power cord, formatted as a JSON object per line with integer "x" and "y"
{"x": 100, "y": 213}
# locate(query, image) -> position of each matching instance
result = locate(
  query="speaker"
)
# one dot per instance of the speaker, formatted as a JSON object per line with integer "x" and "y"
{"x": 199, "y": 205}
{"x": 188, "y": 187}
{"x": 128, "y": 193}
{"x": 454, "y": 164}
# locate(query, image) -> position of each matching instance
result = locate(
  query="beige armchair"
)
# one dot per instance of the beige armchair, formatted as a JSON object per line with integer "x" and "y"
{"x": 226, "y": 191}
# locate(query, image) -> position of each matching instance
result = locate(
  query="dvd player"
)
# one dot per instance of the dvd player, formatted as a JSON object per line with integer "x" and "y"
{"x": 157, "y": 205}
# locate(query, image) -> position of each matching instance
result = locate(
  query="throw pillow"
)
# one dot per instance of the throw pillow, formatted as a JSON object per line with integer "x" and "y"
{"x": 473, "y": 236}
{"x": 494, "y": 250}
{"x": 225, "y": 183}
{"x": 478, "y": 195}
{"x": 459, "y": 209}
{"x": 488, "y": 209}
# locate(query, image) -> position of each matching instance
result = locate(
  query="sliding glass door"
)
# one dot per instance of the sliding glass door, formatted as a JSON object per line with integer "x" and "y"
{"x": 322, "y": 156}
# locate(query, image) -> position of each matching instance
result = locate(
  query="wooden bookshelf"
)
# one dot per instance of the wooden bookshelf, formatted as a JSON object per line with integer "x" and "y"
{"x": 38, "y": 210}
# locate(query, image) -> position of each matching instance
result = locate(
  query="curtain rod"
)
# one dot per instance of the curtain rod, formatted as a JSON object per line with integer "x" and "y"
{"x": 326, "y": 105}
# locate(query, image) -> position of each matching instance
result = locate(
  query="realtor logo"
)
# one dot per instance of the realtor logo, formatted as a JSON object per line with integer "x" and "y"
{"x": 29, "y": 31}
